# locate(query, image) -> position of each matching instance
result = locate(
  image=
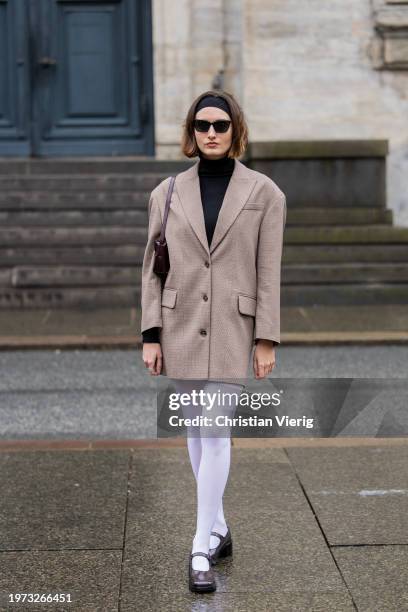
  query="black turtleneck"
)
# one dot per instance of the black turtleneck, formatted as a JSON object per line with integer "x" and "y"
{"x": 214, "y": 175}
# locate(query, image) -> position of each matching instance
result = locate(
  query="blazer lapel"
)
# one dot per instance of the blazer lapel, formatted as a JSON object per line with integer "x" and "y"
{"x": 238, "y": 191}
{"x": 187, "y": 187}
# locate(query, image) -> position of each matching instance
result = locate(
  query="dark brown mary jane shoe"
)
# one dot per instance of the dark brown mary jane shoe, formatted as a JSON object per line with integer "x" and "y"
{"x": 201, "y": 581}
{"x": 224, "y": 548}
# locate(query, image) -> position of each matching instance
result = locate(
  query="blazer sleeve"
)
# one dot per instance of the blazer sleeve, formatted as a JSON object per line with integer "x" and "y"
{"x": 269, "y": 256}
{"x": 151, "y": 283}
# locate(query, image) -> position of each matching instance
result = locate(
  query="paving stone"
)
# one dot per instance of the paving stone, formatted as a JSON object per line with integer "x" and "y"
{"x": 161, "y": 481}
{"x": 256, "y": 475}
{"x": 63, "y": 499}
{"x": 377, "y": 576}
{"x": 359, "y": 496}
{"x": 92, "y": 577}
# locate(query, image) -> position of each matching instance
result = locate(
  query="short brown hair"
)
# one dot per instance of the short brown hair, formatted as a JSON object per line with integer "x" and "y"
{"x": 239, "y": 126}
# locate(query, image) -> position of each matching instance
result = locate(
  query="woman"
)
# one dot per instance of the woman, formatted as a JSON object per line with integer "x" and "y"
{"x": 221, "y": 297}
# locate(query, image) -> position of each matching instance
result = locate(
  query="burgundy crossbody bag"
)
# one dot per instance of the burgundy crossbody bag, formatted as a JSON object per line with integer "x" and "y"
{"x": 161, "y": 252}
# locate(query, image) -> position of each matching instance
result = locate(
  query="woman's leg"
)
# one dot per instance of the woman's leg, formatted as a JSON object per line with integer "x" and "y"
{"x": 213, "y": 471}
{"x": 194, "y": 450}
{"x": 190, "y": 411}
{"x": 210, "y": 461}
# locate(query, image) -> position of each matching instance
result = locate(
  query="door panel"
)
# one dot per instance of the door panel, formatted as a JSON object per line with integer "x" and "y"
{"x": 14, "y": 101}
{"x": 89, "y": 69}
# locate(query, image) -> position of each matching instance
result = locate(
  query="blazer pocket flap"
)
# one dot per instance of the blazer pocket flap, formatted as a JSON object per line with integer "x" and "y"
{"x": 169, "y": 297}
{"x": 254, "y": 206}
{"x": 246, "y": 304}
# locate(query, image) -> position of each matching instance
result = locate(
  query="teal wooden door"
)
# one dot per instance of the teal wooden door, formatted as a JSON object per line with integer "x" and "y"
{"x": 84, "y": 84}
{"x": 15, "y": 96}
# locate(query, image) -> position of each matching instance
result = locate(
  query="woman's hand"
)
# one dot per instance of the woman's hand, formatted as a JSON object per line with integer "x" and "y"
{"x": 152, "y": 357}
{"x": 264, "y": 358}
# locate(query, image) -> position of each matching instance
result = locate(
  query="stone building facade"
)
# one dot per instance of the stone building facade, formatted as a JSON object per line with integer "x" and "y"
{"x": 310, "y": 70}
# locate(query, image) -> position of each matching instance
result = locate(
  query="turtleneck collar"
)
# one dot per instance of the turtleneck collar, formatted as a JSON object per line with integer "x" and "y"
{"x": 215, "y": 167}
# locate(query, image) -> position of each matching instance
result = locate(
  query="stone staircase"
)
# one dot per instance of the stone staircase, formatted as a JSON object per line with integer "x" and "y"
{"x": 345, "y": 264}
{"x": 73, "y": 234}
{"x": 340, "y": 247}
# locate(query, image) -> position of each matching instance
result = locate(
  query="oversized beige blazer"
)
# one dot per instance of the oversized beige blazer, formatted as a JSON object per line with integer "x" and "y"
{"x": 217, "y": 299}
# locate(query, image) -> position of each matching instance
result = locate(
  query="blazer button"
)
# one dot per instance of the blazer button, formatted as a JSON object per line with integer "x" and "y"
{"x": 205, "y": 297}
{"x": 207, "y": 264}
{"x": 203, "y": 332}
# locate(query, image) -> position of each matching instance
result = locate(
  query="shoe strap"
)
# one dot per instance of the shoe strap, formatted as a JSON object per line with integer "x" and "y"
{"x": 203, "y": 554}
{"x": 219, "y": 535}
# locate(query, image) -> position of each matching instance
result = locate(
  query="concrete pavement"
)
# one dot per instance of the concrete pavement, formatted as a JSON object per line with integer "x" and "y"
{"x": 317, "y": 528}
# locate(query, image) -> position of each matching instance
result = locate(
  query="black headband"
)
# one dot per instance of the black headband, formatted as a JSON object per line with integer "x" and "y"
{"x": 213, "y": 101}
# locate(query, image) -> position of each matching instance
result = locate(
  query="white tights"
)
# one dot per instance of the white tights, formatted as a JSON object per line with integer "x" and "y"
{"x": 210, "y": 459}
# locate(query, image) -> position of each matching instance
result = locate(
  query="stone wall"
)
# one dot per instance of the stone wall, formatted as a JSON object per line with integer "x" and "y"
{"x": 302, "y": 70}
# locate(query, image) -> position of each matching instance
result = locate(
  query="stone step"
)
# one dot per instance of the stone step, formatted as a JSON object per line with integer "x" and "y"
{"x": 129, "y": 295}
{"x": 331, "y": 274}
{"x": 60, "y": 275}
{"x": 344, "y": 294}
{"x": 69, "y": 276}
{"x": 294, "y": 235}
{"x": 346, "y": 234}
{"x": 129, "y": 254}
{"x": 50, "y": 236}
{"x": 81, "y": 182}
{"x": 66, "y": 165}
{"x": 72, "y": 297}
{"x": 342, "y": 215}
{"x": 119, "y": 216}
{"x": 342, "y": 253}
{"x": 76, "y": 218}
{"x": 15, "y": 201}
{"x": 132, "y": 254}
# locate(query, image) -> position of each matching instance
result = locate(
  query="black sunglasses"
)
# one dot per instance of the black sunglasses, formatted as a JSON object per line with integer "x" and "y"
{"x": 220, "y": 126}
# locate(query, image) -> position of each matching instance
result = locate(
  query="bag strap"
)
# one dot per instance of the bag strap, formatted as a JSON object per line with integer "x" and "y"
{"x": 166, "y": 209}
